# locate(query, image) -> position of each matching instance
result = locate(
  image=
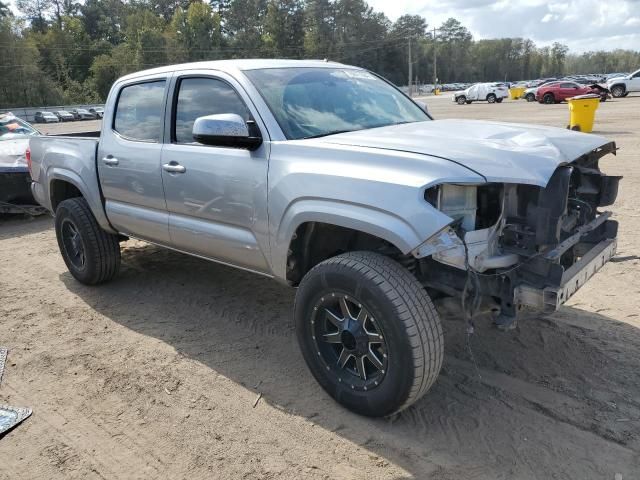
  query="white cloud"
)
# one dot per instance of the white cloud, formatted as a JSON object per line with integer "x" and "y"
{"x": 581, "y": 24}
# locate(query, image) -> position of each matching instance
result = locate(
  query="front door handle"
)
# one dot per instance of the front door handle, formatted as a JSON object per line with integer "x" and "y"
{"x": 173, "y": 167}
{"x": 110, "y": 160}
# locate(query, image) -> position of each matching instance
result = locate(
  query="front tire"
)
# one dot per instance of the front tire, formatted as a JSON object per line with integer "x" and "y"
{"x": 461, "y": 100}
{"x": 91, "y": 254}
{"x": 618, "y": 91}
{"x": 368, "y": 332}
{"x": 530, "y": 97}
{"x": 549, "y": 99}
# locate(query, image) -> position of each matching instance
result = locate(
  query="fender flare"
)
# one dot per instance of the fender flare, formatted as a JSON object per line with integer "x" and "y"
{"x": 95, "y": 204}
{"x": 379, "y": 223}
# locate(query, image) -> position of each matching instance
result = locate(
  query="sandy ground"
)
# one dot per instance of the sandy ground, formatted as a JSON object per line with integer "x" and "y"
{"x": 62, "y": 128}
{"x": 155, "y": 375}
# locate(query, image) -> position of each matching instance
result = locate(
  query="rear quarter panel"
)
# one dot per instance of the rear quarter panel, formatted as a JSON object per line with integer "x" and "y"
{"x": 69, "y": 159}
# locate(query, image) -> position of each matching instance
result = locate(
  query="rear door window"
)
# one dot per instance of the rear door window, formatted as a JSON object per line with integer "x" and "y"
{"x": 139, "y": 111}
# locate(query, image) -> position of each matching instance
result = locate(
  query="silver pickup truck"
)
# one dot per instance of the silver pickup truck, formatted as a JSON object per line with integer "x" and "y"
{"x": 328, "y": 178}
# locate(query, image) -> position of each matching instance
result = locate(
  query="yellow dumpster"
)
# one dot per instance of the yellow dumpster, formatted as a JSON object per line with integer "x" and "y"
{"x": 436, "y": 91}
{"x": 582, "y": 112}
{"x": 516, "y": 92}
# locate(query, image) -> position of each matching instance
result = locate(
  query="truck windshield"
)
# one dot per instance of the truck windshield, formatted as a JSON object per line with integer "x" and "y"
{"x": 315, "y": 102}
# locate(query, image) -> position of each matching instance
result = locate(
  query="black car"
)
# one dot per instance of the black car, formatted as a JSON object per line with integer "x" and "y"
{"x": 64, "y": 116}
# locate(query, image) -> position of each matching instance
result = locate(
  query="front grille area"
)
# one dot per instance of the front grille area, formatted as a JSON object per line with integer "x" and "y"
{"x": 538, "y": 219}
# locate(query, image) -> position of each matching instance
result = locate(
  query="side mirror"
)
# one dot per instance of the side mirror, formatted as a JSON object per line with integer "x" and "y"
{"x": 422, "y": 105}
{"x": 224, "y": 130}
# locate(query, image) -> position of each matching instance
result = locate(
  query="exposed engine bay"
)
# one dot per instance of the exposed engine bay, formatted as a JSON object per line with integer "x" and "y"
{"x": 523, "y": 245}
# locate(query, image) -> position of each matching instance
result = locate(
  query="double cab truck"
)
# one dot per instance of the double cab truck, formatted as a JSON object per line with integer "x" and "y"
{"x": 328, "y": 178}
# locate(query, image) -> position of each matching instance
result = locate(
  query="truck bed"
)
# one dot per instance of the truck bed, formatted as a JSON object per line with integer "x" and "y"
{"x": 66, "y": 158}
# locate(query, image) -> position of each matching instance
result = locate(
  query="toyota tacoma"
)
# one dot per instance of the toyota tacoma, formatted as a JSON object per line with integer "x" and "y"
{"x": 329, "y": 179}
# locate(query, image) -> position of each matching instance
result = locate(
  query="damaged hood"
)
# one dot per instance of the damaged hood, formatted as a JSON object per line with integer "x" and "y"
{"x": 500, "y": 152}
{"x": 12, "y": 157}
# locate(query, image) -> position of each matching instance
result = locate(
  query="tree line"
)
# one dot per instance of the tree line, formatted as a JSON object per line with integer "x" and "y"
{"x": 66, "y": 51}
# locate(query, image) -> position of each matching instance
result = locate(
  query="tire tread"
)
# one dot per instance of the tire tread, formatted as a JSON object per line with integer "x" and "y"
{"x": 415, "y": 310}
{"x": 104, "y": 246}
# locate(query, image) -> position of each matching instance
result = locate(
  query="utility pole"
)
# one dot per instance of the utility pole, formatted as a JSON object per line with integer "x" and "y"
{"x": 435, "y": 71}
{"x": 410, "y": 70}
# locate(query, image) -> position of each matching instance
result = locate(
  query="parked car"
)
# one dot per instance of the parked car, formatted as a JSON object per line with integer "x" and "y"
{"x": 622, "y": 86}
{"x": 83, "y": 114}
{"x": 560, "y": 91}
{"x": 46, "y": 117}
{"x": 609, "y": 76}
{"x": 15, "y": 182}
{"x": 328, "y": 178}
{"x": 481, "y": 92}
{"x": 97, "y": 111}
{"x": 530, "y": 93}
{"x": 64, "y": 116}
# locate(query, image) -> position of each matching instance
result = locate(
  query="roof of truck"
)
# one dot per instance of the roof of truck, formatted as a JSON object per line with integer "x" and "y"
{"x": 239, "y": 64}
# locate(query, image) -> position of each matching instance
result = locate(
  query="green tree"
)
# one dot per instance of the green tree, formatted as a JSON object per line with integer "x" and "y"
{"x": 284, "y": 28}
{"x": 36, "y": 11}
{"x": 245, "y": 28}
{"x": 360, "y": 34}
{"x": 103, "y": 19}
{"x": 195, "y": 34}
{"x": 107, "y": 68}
{"x": 319, "y": 26}
{"x": 453, "y": 43}
{"x": 22, "y": 82}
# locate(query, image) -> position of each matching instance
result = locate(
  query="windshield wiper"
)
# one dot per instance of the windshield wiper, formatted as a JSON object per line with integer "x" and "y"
{"x": 326, "y": 134}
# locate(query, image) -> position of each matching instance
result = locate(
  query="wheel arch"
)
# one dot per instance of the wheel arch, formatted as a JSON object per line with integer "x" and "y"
{"x": 359, "y": 226}
{"x": 64, "y": 184}
{"x": 619, "y": 84}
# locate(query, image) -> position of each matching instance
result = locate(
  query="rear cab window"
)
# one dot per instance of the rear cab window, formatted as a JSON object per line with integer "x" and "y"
{"x": 140, "y": 111}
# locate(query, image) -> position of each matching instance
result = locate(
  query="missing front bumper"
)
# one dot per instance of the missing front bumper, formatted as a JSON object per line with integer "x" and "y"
{"x": 549, "y": 299}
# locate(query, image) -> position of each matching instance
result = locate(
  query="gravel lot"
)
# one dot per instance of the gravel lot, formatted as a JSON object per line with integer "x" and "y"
{"x": 156, "y": 374}
{"x": 69, "y": 127}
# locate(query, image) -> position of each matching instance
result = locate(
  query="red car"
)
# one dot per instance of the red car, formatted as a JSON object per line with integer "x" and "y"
{"x": 559, "y": 91}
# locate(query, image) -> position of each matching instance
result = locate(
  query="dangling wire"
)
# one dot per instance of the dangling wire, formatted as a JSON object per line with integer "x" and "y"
{"x": 471, "y": 287}
{"x": 472, "y": 282}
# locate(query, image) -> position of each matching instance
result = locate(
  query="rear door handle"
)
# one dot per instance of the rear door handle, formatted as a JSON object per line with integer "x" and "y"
{"x": 173, "y": 167}
{"x": 110, "y": 160}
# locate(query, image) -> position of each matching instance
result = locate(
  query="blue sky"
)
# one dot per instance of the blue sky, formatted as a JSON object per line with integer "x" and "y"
{"x": 581, "y": 24}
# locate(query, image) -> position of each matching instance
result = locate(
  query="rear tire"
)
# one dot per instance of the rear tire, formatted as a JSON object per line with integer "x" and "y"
{"x": 91, "y": 254}
{"x": 491, "y": 98}
{"x": 381, "y": 298}
{"x": 499, "y": 100}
